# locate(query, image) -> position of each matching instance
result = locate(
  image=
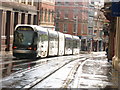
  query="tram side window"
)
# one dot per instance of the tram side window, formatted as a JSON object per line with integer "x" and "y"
{"x": 53, "y": 40}
{"x": 35, "y": 38}
{"x": 53, "y": 37}
{"x": 44, "y": 37}
{"x": 78, "y": 43}
{"x": 75, "y": 44}
{"x": 68, "y": 43}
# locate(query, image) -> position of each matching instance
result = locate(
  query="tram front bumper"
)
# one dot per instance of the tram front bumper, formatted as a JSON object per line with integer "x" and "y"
{"x": 24, "y": 53}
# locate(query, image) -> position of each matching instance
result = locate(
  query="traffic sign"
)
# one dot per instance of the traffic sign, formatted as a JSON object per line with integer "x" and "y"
{"x": 115, "y": 8}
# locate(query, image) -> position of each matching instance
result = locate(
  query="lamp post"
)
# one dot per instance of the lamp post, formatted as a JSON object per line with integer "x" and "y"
{"x": 98, "y": 14}
{"x": 76, "y": 25}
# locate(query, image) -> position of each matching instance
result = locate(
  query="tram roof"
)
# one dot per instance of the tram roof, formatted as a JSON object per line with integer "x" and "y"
{"x": 75, "y": 37}
{"x": 68, "y": 35}
{"x": 35, "y": 27}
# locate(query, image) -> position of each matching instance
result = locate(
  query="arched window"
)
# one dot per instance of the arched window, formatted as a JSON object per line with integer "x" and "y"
{"x": 45, "y": 16}
{"x": 41, "y": 14}
{"x": 49, "y": 16}
{"x": 52, "y": 20}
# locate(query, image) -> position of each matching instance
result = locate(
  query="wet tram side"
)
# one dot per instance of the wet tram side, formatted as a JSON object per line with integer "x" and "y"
{"x": 36, "y": 41}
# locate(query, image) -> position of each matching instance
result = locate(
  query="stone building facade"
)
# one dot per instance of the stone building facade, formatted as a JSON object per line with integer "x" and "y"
{"x": 46, "y": 11}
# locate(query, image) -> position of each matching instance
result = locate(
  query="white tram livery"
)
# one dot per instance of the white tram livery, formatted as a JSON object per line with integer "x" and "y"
{"x": 31, "y": 41}
{"x": 68, "y": 44}
{"x": 61, "y": 44}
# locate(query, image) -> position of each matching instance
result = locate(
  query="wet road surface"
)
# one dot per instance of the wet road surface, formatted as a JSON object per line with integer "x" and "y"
{"x": 75, "y": 71}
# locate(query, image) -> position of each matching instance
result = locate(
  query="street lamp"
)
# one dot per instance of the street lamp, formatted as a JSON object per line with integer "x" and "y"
{"x": 98, "y": 18}
{"x": 76, "y": 25}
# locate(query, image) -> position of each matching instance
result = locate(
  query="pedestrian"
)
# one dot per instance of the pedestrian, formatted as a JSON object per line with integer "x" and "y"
{"x": 107, "y": 53}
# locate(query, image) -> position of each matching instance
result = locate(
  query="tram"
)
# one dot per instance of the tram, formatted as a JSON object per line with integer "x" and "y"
{"x": 32, "y": 41}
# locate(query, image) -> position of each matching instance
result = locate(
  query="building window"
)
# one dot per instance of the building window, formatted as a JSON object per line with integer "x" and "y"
{"x": 65, "y": 27}
{"x": 29, "y": 19}
{"x": 58, "y": 14}
{"x": 75, "y": 12}
{"x": 29, "y": 2}
{"x": 95, "y": 32}
{"x": 74, "y": 28}
{"x": 35, "y": 20}
{"x": 58, "y": 3}
{"x": 90, "y": 32}
{"x": 95, "y": 23}
{"x": 76, "y": 2}
{"x": 65, "y": 15}
{"x": 23, "y": 18}
{"x": 82, "y": 28}
{"x": 23, "y": 1}
{"x": 41, "y": 14}
{"x": 49, "y": 16}
{"x": 66, "y": 3}
{"x": 15, "y": 19}
{"x": 16, "y": 0}
{"x": 52, "y": 16}
{"x": 45, "y": 17}
{"x": 57, "y": 26}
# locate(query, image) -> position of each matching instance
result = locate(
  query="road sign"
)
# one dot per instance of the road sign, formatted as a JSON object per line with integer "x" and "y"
{"x": 115, "y": 8}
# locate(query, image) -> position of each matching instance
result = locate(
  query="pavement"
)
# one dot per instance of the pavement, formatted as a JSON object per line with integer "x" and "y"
{"x": 97, "y": 72}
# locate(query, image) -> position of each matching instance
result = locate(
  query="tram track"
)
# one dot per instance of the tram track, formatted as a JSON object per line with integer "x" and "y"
{"x": 17, "y": 64}
{"x": 39, "y": 78}
{"x": 68, "y": 79}
{"x": 22, "y": 62}
{"x": 12, "y": 64}
{"x": 37, "y": 62}
{"x": 71, "y": 75}
{"x": 67, "y": 74}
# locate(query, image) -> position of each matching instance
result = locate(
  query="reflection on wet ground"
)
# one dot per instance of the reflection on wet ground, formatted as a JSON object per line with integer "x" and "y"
{"x": 11, "y": 65}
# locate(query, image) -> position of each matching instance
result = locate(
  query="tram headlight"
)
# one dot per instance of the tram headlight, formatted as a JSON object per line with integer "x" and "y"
{"x": 30, "y": 48}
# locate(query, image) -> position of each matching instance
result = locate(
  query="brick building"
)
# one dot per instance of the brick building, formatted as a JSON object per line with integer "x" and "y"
{"x": 99, "y": 20}
{"x": 12, "y": 13}
{"x": 46, "y": 10}
{"x": 71, "y": 17}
